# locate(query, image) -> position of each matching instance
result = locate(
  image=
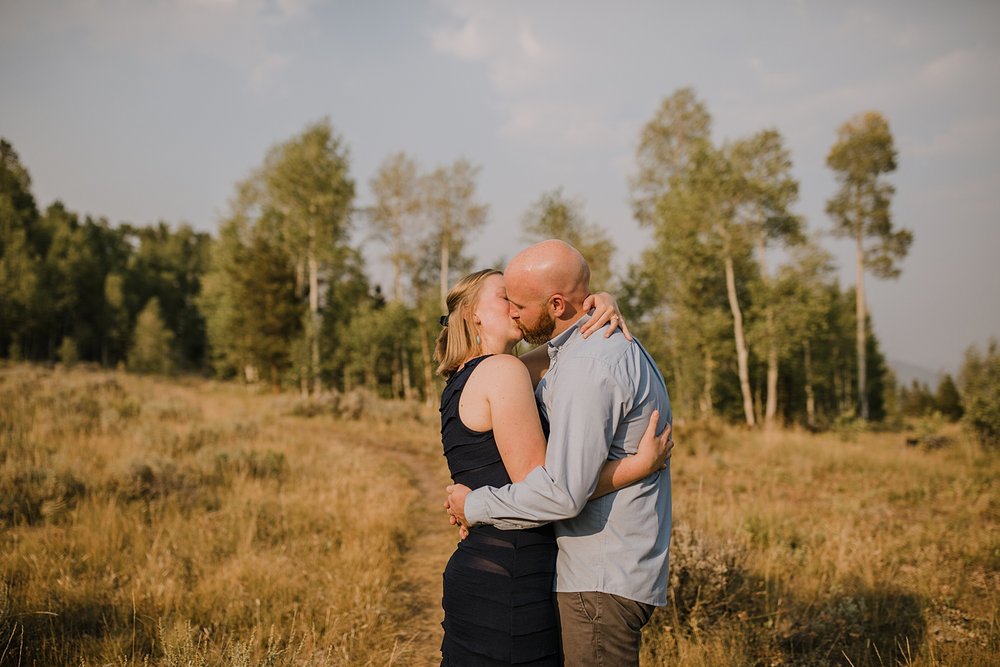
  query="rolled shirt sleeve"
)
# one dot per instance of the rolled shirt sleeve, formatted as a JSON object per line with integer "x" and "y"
{"x": 583, "y": 418}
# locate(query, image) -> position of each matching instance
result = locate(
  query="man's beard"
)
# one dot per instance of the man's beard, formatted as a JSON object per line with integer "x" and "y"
{"x": 541, "y": 332}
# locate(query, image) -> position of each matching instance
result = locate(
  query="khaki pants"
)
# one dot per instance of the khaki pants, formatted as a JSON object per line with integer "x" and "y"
{"x": 600, "y": 629}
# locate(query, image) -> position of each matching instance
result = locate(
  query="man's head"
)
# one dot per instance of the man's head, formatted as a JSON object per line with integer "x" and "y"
{"x": 546, "y": 286}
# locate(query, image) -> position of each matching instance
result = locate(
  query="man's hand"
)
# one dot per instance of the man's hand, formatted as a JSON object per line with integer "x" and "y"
{"x": 456, "y": 504}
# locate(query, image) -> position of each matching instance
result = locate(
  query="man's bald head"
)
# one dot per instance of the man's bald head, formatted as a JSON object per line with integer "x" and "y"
{"x": 551, "y": 267}
{"x": 546, "y": 287}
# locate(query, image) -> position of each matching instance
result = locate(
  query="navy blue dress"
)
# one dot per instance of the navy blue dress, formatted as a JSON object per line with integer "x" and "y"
{"x": 498, "y": 607}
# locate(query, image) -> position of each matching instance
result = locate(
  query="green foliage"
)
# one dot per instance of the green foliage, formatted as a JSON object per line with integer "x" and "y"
{"x": 980, "y": 381}
{"x": 450, "y": 203}
{"x": 947, "y": 399}
{"x": 68, "y": 353}
{"x": 916, "y": 400}
{"x": 152, "y": 342}
{"x": 290, "y": 224}
{"x": 395, "y": 219}
{"x": 554, "y": 216}
{"x": 280, "y": 295}
{"x": 375, "y": 358}
{"x": 253, "y": 316}
{"x": 667, "y": 143}
{"x": 62, "y": 277}
{"x": 863, "y": 154}
{"x": 168, "y": 265}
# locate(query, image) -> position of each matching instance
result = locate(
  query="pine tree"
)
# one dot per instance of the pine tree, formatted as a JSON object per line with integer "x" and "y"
{"x": 151, "y": 350}
{"x": 554, "y": 216}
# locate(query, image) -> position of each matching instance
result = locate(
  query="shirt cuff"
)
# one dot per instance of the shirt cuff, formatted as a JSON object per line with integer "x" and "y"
{"x": 475, "y": 507}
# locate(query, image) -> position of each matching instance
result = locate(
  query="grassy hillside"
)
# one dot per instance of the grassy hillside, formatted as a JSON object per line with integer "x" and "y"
{"x": 196, "y": 523}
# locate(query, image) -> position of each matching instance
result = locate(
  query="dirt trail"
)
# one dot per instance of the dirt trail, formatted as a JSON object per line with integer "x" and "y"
{"x": 418, "y": 593}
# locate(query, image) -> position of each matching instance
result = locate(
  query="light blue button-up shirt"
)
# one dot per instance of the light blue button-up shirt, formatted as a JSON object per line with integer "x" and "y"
{"x": 598, "y": 395}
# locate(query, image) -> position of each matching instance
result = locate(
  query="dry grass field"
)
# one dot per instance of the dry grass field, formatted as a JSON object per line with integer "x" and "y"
{"x": 189, "y": 522}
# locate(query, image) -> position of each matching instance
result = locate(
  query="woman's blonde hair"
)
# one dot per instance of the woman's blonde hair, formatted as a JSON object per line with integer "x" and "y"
{"x": 458, "y": 339}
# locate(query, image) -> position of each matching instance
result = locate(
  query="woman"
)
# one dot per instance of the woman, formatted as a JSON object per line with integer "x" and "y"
{"x": 498, "y": 584}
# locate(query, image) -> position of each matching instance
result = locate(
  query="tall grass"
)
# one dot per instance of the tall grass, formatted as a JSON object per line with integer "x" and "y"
{"x": 193, "y": 523}
{"x": 795, "y": 549}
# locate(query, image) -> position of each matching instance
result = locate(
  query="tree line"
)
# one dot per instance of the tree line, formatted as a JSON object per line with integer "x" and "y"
{"x": 734, "y": 296}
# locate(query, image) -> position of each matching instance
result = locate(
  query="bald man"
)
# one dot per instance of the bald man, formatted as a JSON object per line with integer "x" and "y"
{"x": 597, "y": 396}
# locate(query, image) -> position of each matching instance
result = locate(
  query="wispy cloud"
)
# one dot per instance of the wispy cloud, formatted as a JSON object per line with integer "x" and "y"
{"x": 772, "y": 78}
{"x": 508, "y": 45}
{"x": 566, "y": 124}
{"x": 240, "y": 33}
{"x": 526, "y": 67}
{"x": 973, "y": 136}
{"x": 950, "y": 69}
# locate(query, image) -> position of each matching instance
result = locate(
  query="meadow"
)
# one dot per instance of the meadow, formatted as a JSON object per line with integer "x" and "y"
{"x": 191, "y": 522}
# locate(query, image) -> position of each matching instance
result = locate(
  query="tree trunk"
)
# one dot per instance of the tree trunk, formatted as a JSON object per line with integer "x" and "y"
{"x": 810, "y": 398}
{"x": 741, "y": 347}
{"x": 397, "y": 373}
{"x": 772, "y": 371}
{"x": 314, "y": 322}
{"x": 444, "y": 273}
{"x": 397, "y": 278}
{"x": 680, "y": 378}
{"x": 860, "y": 301}
{"x": 300, "y": 278}
{"x": 425, "y": 356}
{"x": 706, "y": 405}
{"x": 771, "y": 408}
{"x": 407, "y": 382}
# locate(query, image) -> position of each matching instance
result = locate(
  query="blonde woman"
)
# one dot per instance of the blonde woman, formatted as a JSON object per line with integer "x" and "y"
{"x": 497, "y": 600}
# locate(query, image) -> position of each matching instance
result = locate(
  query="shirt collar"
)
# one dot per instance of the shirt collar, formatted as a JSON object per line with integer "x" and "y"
{"x": 566, "y": 337}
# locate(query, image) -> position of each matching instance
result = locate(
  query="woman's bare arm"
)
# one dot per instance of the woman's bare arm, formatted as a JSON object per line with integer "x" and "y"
{"x": 652, "y": 455}
{"x": 513, "y": 414}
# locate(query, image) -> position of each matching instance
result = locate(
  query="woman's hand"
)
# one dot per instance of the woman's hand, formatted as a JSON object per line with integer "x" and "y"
{"x": 605, "y": 311}
{"x": 654, "y": 450}
{"x": 463, "y": 532}
{"x": 651, "y": 456}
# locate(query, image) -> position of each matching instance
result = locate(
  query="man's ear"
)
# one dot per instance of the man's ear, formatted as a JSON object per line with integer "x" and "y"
{"x": 557, "y": 304}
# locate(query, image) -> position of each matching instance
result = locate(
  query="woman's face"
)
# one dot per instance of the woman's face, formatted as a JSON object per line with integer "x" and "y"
{"x": 492, "y": 315}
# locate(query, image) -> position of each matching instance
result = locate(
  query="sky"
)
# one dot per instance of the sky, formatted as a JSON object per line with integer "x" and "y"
{"x": 151, "y": 110}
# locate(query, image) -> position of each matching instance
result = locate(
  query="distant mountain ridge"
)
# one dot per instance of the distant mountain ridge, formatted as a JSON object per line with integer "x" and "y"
{"x": 906, "y": 373}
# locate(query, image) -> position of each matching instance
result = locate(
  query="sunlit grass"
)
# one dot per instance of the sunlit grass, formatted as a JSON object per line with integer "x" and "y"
{"x": 195, "y": 523}
{"x": 810, "y": 550}
{"x": 141, "y": 518}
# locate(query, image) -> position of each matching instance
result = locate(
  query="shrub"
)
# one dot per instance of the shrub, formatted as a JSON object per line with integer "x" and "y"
{"x": 151, "y": 345}
{"x": 707, "y": 578}
{"x": 68, "y": 353}
{"x": 980, "y": 379}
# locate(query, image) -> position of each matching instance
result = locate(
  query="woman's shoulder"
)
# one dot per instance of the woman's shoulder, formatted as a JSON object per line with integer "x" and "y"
{"x": 501, "y": 363}
{"x": 499, "y": 367}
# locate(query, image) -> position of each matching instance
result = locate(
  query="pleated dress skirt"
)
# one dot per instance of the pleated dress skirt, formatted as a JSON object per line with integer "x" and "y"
{"x": 498, "y": 604}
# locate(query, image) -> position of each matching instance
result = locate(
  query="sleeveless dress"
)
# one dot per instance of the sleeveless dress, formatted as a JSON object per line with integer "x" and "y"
{"x": 498, "y": 607}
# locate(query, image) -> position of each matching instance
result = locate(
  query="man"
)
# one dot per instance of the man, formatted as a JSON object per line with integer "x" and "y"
{"x": 597, "y": 395}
